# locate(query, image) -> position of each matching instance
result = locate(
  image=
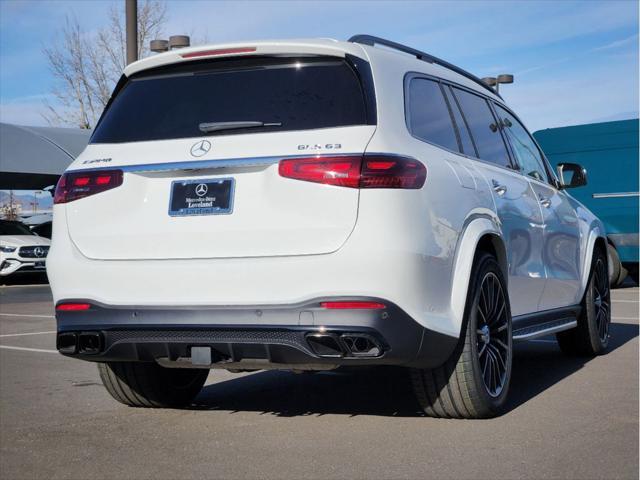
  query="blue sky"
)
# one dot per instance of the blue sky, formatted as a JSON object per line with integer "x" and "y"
{"x": 574, "y": 62}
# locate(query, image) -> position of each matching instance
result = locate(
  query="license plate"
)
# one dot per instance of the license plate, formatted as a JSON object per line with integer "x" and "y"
{"x": 201, "y": 197}
{"x": 39, "y": 265}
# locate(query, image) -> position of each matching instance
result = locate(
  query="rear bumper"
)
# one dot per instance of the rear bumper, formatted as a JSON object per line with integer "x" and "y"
{"x": 303, "y": 336}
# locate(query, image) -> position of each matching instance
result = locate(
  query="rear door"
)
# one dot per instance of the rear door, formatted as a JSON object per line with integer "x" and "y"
{"x": 561, "y": 250}
{"x": 195, "y": 191}
{"x": 517, "y": 206}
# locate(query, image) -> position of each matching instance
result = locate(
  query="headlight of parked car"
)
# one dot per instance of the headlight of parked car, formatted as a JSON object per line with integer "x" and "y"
{"x": 7, "y": 249}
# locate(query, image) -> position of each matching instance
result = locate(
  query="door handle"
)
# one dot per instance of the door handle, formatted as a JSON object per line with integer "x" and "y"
{"x": 499, "y": 188}
{"x": 544, "y": 201}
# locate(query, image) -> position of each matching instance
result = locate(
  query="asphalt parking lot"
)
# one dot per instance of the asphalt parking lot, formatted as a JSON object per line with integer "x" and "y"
{"x": 568, "y": 417}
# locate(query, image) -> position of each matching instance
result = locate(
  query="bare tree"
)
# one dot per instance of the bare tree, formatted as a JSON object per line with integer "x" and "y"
{"x": 87, "y": 67}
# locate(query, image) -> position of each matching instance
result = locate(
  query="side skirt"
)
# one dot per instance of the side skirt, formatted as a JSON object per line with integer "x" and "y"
{"x": 539, "y": 324}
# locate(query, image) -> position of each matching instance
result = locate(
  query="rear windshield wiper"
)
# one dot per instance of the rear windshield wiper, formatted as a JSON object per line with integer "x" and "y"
{"x": 217, "y": 126}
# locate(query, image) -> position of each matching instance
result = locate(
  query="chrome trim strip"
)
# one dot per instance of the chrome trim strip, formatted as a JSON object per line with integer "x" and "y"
{"x": 546, "y": 331}
{"x": 616, "y": 195}
{"x": 188, "y": 165}
{"x": 222, "y": 163}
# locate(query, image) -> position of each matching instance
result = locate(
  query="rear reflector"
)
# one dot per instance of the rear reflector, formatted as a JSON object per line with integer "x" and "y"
{"x": 352, "y": 305}
{"x": 73, "y": 307}
{"x": 370, "y": 171}
{"x": 221, "y": 51}
{"x": 75, "y": 185}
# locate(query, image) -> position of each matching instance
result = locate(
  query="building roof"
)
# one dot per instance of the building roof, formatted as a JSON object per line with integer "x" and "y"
{"x": 34, "y": 157}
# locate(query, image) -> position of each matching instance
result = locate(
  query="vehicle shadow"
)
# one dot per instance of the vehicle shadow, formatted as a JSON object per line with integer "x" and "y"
{"x": 538, "y": 365}
{"x": 384, "y": 391}
{"x": 31, "y": 278}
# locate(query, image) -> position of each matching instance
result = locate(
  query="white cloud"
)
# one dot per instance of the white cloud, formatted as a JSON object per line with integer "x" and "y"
{"x": 633, "y": 39}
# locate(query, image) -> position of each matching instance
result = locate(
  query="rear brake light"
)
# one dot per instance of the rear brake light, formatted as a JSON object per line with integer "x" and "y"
{"x": 353, "y": 305}
{"x": 342, "y": 171}
{"x": 221, "y": 51}
{"x": 73, "y": 307}
{"x": 75, "y": 185}
{"x": 370, "y": 171}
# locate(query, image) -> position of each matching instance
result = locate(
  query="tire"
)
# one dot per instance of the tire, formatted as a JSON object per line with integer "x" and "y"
{"x": 458, "y": 389}
{"x": 591, "y": 336}
{"x": 149, "y": 385}
{"x": 617, "y": 273}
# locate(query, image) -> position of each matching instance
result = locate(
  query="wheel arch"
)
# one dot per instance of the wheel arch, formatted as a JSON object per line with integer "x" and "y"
{"x": 597, "y": 239}
{"x": 481, "y": 234}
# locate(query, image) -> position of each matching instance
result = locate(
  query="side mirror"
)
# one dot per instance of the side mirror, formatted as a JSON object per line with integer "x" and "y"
{"x": 571, "y": 175}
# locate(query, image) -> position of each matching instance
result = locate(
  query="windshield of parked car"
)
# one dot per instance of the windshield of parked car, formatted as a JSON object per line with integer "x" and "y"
{"x": 253, "y": 94}
{"x": 14, "y": 228}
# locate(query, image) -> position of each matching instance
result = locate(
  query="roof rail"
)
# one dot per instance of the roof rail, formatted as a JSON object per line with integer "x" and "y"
{"x": 425, "y": 57}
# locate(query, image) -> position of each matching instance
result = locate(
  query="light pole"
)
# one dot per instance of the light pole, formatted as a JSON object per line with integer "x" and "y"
{"x": 131, "y": 14}
{"x": 175, "y": 41}
{"x": 496, "y": 81}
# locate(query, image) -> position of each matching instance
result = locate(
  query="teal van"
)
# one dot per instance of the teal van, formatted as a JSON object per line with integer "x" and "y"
{"x": 609, "y": 152}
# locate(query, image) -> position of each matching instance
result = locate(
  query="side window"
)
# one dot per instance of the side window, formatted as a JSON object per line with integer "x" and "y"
{"x": 483, "y": 127}
{"x": 467, "y": 142}
{"x": 524, "y": 149}
{"x": 429, "y": 117}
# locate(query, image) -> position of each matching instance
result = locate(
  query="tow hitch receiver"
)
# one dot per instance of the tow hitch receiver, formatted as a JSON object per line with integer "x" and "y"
{"x": 201, "y": 356}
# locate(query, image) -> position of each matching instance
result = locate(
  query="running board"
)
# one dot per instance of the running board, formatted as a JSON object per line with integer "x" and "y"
{"x": 543, "y": 329}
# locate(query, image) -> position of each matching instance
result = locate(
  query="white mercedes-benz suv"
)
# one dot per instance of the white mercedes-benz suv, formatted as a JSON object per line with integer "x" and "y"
{"x": 21, "y": 250}
{"x": 312, "y": 204}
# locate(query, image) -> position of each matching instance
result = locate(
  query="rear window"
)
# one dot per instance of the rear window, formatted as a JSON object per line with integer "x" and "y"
{"x": 297, "y": 93}
{"x": 483, "y": 127}
{"x": 429, "y": 117}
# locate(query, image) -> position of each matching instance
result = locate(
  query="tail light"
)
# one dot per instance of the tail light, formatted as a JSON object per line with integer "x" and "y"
{"x": 75, "y": 185}
{"x": 369, "y": 171}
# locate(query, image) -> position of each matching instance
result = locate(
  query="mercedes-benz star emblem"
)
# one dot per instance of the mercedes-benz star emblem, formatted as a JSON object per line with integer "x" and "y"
{"x": 38, "y": 251}
{"x": 202, "y": 189}
{"x": 200, "y": 148}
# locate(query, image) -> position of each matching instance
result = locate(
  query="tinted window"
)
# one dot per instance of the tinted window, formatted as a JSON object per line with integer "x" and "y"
{"x": 483, "y": 127}
{"x": 429, "y": 117}
{"x": 173, "y": 101}
{"x": 14, "y": 228}
{"x": 524, "y": 149}
{"x": 465, "y": 137}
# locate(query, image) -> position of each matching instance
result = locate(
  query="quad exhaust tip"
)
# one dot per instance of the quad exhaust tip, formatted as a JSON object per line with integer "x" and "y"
{"x": 86, "y": 343}
{"x": 361, "y": 345}
{"x": 331, "y": 345}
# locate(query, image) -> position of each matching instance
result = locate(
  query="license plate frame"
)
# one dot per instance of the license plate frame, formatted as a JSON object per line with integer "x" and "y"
{"x": 189, "y": 197}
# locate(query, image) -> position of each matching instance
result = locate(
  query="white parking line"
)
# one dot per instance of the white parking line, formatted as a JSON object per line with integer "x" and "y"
{"x": 624, "y": 301}
{"x": 36, "y": 285}
{"x": 25, "y": 315}
{"x": 7, "y": 347}
{"x": 22, "y": 334}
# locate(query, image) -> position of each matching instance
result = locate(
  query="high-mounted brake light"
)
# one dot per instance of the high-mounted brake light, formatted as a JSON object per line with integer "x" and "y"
{"x": 73, "y": 307}
{"x": 220, "y": 51}
{"x": 370, "y": 171}
{"x": 75, "y": 185}
{"x": 353, "y": 305}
